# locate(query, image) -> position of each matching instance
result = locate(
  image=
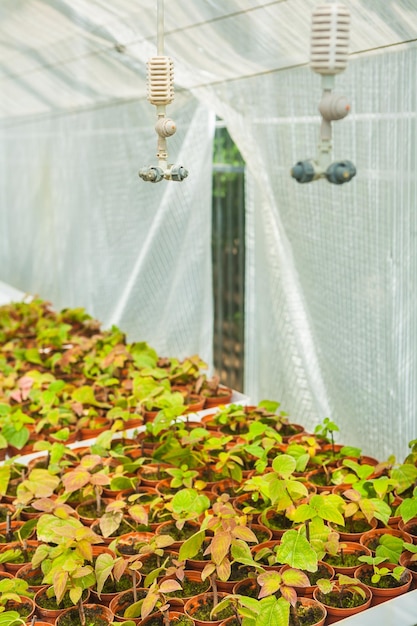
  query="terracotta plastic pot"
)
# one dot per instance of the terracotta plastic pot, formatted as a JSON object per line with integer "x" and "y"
{"x": 311, "y": 603}
{"x": 371, "y": 537}
{"x": 87, "y": 520}
{"x": 102, "y": 424}
{"x": 126, "y": 543}
{"x": 345, "y": 535}
{"x": 11, "y": 567}
{"x": 247, "y": 587}
{"x": 26, "y": 572}
{"x": 406, "y": 561}
{"x": 96, "y": 615}
{"x": 146, "y": 474}
{"x": 122, "y": 601}
{"x": 50, "y": 615}
{"x": 349, "y": 548}
{"x": 266, "y": 519}
{"x": 26, "y": 607}
{"x": 270, "y": 546}
{"x": 379, "y": 594}
{"x": 218, "y": 400}
{"x": 334, "y": 614}
{"x": 176, "y": 603}
{"x": 409, "y": 527}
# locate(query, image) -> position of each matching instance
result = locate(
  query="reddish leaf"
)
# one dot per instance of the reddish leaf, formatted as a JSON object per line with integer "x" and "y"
{"x": 60, "y": 583}
{"x": 75, "y": 480}
{"x": 289, "y": 594}
{"x": 220, "y": 545}
{"x": 167, "y": 586}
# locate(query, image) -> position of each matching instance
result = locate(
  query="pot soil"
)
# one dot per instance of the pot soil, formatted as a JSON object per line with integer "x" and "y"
{"x": 309, "y": 613}
{"x": 199, "y": 609}
{"x": 25, "y": 608}
{"x": 339, "y": 606}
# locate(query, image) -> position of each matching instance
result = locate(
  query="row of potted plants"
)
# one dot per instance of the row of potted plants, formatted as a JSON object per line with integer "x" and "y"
{"x": 63, "y": 378}
{"x": 238, "y": 515}
{"x": 131, "y": 496}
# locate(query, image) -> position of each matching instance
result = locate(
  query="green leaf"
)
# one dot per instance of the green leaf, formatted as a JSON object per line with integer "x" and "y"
{"x": 191, "y": 546}
{"x": 103, "y": 568}
{"x": 241, "y": 553}
{"x": 405, "y": 475}
{"x": 382, "y": 510}
{"x": 120, "y": 483}
{"x": 51, "y": 529}
{"x": 390, "y": 547}
{"x": 297, "y": 552}
{"x": 10, "y": 618}
{"x": 276, "y": 613}
{"x": 4, "y": 478}
{"x": 134, "y": 609}
{"x": 407, "y": 509}
{"x": 17, "y": 438}
{"x": 75, "y": 594}
{"x": 284, "y": 465}
{"x": 85, "y": 395}
{"x": 187, "y": 500}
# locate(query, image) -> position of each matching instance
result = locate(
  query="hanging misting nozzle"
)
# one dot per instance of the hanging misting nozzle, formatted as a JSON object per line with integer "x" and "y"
{"x": 329, "y": 52}
{"x": 161, "y": 93}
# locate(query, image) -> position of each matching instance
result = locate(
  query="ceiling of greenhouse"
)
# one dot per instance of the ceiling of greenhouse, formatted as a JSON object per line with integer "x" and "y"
{"x": 69, "y": 54}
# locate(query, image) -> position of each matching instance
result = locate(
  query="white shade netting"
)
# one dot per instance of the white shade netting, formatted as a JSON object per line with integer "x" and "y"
{"x": 331, "y": 313}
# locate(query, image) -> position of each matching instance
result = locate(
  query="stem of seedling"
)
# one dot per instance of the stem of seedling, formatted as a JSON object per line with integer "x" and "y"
{"x": 98, "y": 499}
{"x": 9, "y": 534}
{"x": 214, "y": 587}
{"x": 308, "y": 530}
{"x": 165, "y": 617}
{"x": 81, "y": 611}
{"x": 135, "y": 595}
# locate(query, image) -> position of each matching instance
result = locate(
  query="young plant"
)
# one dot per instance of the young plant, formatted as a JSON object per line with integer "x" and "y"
{"x": 227, "y": 545}
{"x": 116, "y": 511}
{"x": 379, "y": 573}
{"x": 277, "y": 599}
{"x": 156, "y": 597}
{"x": 65, "y": 557}
{"x": 279, "y": 489}
{"x": 358, "y": 505}
{"x": 12, "y": 589}
{"x": 84, "y": 478}
{"x": 326, "y": 430}
{"x": 344, "y": 591}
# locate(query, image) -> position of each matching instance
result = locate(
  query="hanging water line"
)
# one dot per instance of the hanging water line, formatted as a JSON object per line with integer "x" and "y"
{"x": 160, "y": 94}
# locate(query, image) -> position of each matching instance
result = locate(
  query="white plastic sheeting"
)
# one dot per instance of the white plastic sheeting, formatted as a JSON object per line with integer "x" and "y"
{"x": 79, "y": 228}
{"x": 331, "y": 312}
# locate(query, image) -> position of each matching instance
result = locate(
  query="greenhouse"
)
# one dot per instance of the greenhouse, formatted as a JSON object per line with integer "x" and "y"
{"x": 208, "y": 266}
